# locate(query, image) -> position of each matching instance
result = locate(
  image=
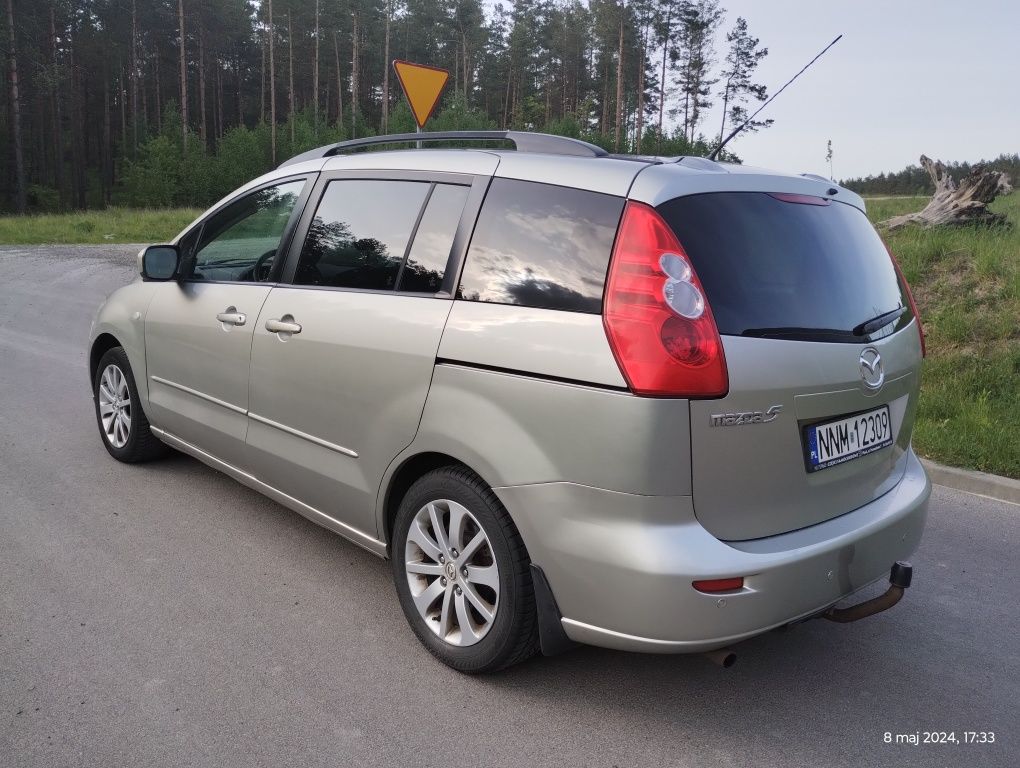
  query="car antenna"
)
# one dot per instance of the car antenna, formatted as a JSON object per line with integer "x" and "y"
{"x": 739, "y": 128}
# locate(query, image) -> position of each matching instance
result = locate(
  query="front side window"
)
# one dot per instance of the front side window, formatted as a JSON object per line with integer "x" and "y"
{"x": 360, "y": 233}
{"x": 240, "y": 242}
{"x": 538, "y": 245}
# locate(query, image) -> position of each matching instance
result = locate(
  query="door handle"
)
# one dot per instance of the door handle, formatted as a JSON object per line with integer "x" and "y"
{"x": 230, "y": 316}
{"x": 285, "y": 326}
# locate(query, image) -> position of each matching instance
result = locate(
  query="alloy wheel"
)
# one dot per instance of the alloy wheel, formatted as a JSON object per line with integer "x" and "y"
{"x": 115, "y": 406}
{"x": 452, "y": 572}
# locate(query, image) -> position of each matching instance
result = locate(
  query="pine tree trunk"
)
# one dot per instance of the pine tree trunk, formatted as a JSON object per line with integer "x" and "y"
{"x": 315, "y": 72}
{"x": 339, "y": 83}
{"x": 662, "y": 79}
{"x": 184, "y": 76}
{"x": 122, "y": 97}
{"x": 725, "y": 102}
{"x": 640, "y": 122}
{"x": 619, "y": 83}
{"x": 159, "y": 93}
{"x": 386, "y": 73}
{"x": 20, "y": 199}
{"x": 220, "y": 118}
{"x": 134, "y": 78}
{"x": 272, "y": 84}
{"x": 78, "y": 147}
{"x": 354, "y": 80}
{"x": 262, "y": 92}
{"x": 290, "y": 68}
{"x": 107, "y": 154}
{"x": 203, "y": 127}
{"x": 58, "y": 122}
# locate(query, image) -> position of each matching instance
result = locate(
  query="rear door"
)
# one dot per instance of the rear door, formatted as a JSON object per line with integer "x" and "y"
{"x": 821, "y": 403}
{"x": 344, "y": 350}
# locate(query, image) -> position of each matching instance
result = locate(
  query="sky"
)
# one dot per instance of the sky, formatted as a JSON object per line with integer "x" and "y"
{"x": 937, "y": 77}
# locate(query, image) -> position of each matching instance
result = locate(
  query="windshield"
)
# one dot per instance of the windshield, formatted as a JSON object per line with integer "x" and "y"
{"x": 788, "y": 266}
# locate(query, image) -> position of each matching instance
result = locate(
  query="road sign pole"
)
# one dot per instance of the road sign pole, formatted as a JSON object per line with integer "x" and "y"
{"x": 417, "y": 129}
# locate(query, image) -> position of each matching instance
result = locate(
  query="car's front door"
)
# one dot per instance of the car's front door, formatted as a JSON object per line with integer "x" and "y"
{"x": 198, "y": 330}
{"x": 342, "y": 356}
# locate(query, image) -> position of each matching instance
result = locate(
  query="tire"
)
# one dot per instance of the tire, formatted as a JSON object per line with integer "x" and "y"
{"x": 131, "y": 441}
{"x": 510, "y": 635}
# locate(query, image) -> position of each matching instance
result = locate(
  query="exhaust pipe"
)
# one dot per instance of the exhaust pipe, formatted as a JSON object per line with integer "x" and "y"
{"x": 899, "y": 579}
{"x": 724, "y": 657}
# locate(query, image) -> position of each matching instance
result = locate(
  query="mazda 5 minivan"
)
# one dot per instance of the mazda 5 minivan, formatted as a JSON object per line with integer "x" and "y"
{"x": 652, "y": 404}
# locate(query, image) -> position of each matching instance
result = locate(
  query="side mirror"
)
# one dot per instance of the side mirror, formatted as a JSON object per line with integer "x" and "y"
{"x": 159, "y": 262}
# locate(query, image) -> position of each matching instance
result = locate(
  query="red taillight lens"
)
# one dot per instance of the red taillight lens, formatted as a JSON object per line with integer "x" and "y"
{"x": 719, "y": 585}
{"x": 657, "y": 318}
{"x": 910, "y": 298}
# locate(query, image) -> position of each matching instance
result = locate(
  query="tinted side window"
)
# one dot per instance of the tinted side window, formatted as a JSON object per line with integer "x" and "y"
{"x": 239, "y": 243}
{"x": 426, "y": 263}
{"x": 539, "y": 245}
{"x": 360, "y": 233}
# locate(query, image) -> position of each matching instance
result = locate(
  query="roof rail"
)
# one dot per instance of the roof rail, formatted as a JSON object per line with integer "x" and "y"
{"x": 524, "y": 141}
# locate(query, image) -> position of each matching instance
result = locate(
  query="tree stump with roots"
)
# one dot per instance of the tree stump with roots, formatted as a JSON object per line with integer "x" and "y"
{"x": 955, "y": 204}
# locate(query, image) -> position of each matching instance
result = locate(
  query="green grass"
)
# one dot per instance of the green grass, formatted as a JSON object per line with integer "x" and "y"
{"x": 966, "y": 282}
{"x": 113, "y": 225}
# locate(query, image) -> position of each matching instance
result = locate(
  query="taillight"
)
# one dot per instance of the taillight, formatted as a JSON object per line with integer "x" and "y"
{"x": 910, "y": 297}
{"x": 657, "y": 317}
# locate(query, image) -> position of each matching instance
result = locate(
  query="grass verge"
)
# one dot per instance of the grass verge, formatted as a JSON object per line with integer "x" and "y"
{"x": 113, "y": 225}
{"x": 966, "y": 281}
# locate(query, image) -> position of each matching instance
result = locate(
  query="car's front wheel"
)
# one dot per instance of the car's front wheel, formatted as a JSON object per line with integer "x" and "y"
{"x": 122, "y": 423}
{"x": 463, "y": 574}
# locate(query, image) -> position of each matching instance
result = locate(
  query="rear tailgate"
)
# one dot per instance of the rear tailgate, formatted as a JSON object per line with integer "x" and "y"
{"x": 792, "y": 282}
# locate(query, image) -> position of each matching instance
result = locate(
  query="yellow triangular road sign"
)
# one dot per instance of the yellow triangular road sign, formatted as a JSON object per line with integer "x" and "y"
{"x": 422, "y": 85}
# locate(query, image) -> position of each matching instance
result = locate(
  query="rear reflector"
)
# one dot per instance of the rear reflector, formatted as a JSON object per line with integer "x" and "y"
{"x": 719, "y": 585}
{"x": 656, "y": 314}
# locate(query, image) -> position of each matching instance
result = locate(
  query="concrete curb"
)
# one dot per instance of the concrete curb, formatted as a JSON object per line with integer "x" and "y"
{"x": 981, "y": 483}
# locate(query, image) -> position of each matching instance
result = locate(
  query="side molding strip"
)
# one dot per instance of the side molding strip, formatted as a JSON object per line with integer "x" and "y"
{"x": 303, "y": 435}
{"x": 196, "y": 393}
{"x": 352, "y": 534}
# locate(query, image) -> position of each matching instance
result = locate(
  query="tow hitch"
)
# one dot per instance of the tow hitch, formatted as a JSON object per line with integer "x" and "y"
{"x": 899, "y": 580}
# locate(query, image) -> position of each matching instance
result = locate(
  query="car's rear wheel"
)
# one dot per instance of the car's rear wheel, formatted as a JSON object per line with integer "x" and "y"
{"x": 463, "y": 574}
{"x": 122, "y": 423}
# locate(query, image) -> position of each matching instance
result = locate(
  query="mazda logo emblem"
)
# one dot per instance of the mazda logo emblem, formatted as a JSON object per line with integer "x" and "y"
{"x": 872, "y": 371}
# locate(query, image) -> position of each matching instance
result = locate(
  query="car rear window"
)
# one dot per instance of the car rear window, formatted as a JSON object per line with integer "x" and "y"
{"x": 539, "y": 245}
{"x": 776, "y": 268}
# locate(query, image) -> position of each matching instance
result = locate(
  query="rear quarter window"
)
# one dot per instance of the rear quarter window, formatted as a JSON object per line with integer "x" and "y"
{"x": 539, "y": 245}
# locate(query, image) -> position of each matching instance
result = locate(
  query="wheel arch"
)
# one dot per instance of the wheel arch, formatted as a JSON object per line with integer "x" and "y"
{"x": 102, "y": 344}
{"x": 406, "y": 473}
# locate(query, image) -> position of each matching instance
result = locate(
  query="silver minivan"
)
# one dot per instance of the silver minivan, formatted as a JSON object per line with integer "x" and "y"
{"x": 652, "y": 404}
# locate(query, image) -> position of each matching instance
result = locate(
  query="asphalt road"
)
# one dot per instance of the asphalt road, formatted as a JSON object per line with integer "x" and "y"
{"x": 165, "y": 615}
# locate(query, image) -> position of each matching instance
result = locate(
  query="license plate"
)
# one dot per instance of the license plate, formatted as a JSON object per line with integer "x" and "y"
{"x": 836, "y": 442}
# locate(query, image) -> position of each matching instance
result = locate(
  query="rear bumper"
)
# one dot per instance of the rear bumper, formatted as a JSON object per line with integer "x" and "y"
{"x": 620, "y": 566}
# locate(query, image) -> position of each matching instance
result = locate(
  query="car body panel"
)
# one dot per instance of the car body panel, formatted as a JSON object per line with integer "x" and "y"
{"x": 198, "y": 366}
{"x": 332, "y": 405}
{"x": 658, "y": 183}
{"x": 810, "y": 382}
{"x": 566, "y": 345}
{"x": 122, "y": 316}
{"x": 512, "y": 430}
{"x": 621, "y": 565}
